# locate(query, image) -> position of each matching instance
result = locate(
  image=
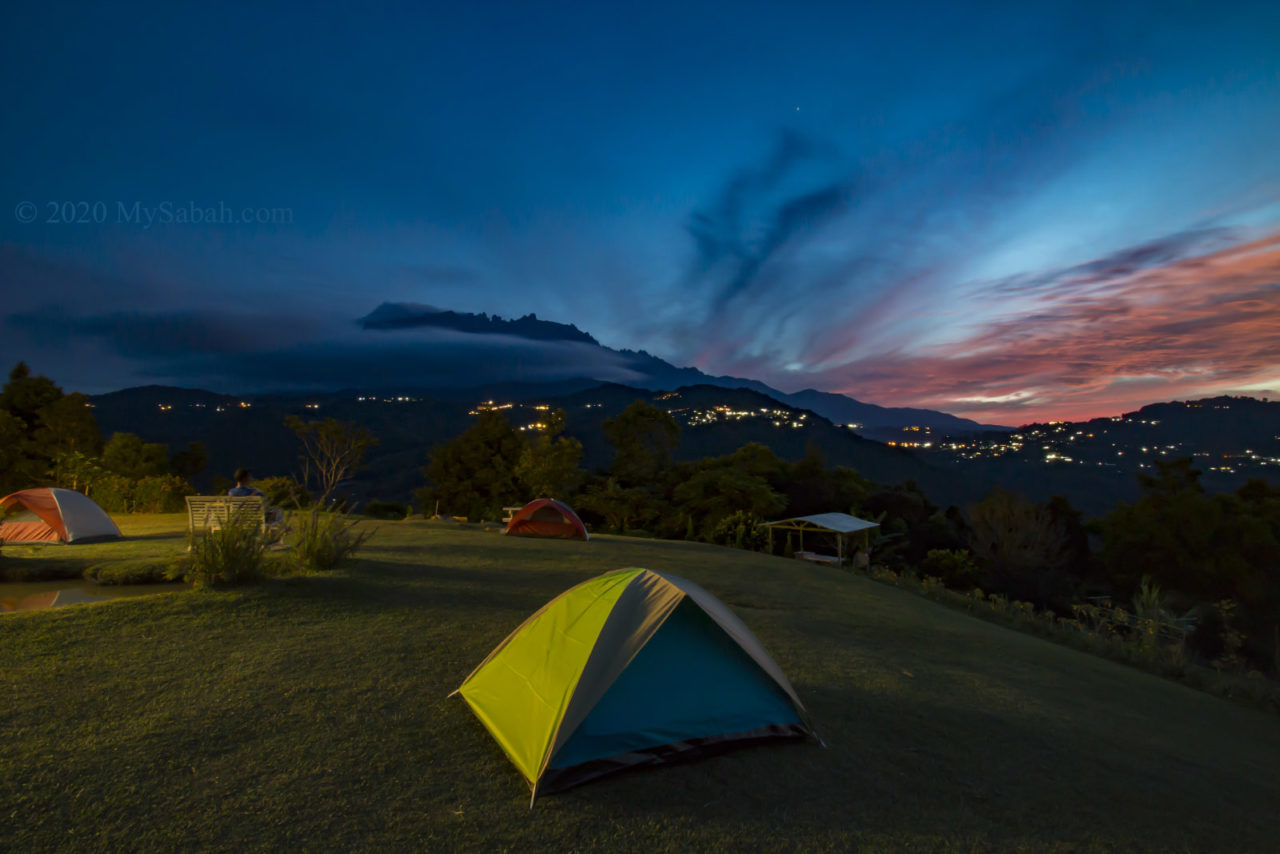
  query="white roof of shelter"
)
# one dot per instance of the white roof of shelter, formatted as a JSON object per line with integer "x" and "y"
{"x": 841, "y": 523}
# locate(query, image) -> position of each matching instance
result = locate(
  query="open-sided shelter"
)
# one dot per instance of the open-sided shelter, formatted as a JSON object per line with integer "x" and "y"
{"x": 547, "y": 517}
{"x": 633, "y": 667}
{"x": 839, "y": 525}
{"x": 54, "y": 515}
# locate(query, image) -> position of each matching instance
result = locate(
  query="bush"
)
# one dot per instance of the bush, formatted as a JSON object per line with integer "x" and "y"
{"x": 385, "y": 510}
{"x": 284, "y": 492}
{"x": 742, "y": 530}
{"x": 954, "y": 566}
{"x": 324, "y": 539}
{"x": 133, "y": 572}
{"x": 233, "y": 554}
{"x": 38, "y": 569}
{"x": 156, "y": 494}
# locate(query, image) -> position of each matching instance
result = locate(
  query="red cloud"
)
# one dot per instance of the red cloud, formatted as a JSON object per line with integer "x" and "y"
{"x": 1097, "y": 339}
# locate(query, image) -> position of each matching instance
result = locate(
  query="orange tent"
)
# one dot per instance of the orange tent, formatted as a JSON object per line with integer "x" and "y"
{"x": 546, "y": 517}
{"x": 54, "y": 516}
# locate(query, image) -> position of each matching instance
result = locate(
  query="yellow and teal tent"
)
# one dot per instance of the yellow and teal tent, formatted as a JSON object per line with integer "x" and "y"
{"x": 632, "y": 667}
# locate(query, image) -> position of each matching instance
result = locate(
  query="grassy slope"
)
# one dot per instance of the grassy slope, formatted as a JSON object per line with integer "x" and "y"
{"x": 312, "y": 712}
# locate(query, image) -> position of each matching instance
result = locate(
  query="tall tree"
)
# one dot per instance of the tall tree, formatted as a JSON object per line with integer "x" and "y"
{"x": 1019, "y": 543}
{"x": 332, "y": 451}
{"x": 67, "y": 426}
{"x": 127, "y": 455}
{"x": 718, "y": 491}
{"x": 190, "y": 461}
{"x": 643, "y": 437}
{"x": 548, "y": 465}
{"x": 475, "y": 473}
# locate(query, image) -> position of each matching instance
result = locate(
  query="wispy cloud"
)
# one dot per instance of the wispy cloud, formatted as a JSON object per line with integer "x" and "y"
{"x": 1159, "y": 321}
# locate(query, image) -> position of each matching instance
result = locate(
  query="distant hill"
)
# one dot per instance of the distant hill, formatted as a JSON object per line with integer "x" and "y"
{"x": 1095, "y": 462}
{"x": 882, "y": 422}
{"x": 250, "y": 431}
{"x": 651, "y": 372}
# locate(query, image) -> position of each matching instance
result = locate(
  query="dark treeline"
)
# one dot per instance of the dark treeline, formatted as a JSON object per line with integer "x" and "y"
{"x": 1209, "y": 563}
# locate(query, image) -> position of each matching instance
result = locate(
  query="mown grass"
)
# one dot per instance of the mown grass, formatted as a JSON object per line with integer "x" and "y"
{"x": 311, "y": 712}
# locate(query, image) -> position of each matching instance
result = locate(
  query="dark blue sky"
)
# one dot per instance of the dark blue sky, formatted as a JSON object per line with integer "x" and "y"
{"x": 1007, "y": 211}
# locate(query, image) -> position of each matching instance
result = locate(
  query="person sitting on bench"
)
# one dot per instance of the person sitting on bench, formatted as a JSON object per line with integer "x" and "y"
{"x": 242, "y": 489}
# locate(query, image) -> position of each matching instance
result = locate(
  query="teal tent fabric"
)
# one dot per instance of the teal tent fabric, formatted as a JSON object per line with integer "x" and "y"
{"x": 690, "y": 681}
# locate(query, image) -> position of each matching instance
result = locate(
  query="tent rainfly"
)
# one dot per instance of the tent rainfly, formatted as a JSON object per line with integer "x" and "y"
{"x": 633, "y": 667}
{"x": 839, "y": 524}
{"x": 55, "y": 515}
{"x": 546, "y": 517}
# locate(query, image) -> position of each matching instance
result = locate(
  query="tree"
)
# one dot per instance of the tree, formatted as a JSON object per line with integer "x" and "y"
{"x": 718, "y": 491}
{"x": 67, "y": 426}
{"x": 475, "y": 472}
{"x": 643, "y": 437}
{"x": 1019, "y": 545}
{"x": 623, "y": 508}
{"x": 127, "y": 455}
{"x": 190, "y": 461}
{"x": 24, "y": 396}
{"x": 548, "y": 465}
{"x": 18, "y": 469}
{"x": 332, "y": 451}
{"x": 41, "y": 424}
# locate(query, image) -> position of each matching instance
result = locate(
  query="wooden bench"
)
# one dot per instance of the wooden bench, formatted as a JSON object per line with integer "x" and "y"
{"x": 207, "y": 513}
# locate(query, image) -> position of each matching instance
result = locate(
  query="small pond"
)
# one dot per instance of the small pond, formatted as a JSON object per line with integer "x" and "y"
{"x": 40, "y": 595}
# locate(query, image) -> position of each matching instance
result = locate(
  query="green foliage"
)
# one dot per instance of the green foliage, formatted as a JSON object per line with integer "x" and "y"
{"x": 376, "y": 509}
{"x": 322, "y": 540}
{"x": 157, "y": 494}
{"x": 128, "y": 456}
{"x": 741, "y": 530}
{"x": 23, "y": 396}
{"x": 30, "y": 569}
{"x": 549, "y": 465}
{"x": 1020, "y": 547}
{"x": 1204, "y": 548}
{"x": 134, "y": 572}
{"x": 190, "y": 461}
{"x": 474, "y": 474}
{"x": 37, "y": 424}
{"x": 716, "y": 492}
{"x": 643, "y": 437}
{"x": 66, "y": 426}
{"x": 77, "y": 471}
{"x": 18, "y": 467}
{"x": 623, "y": 509}
{"x": 332, "y": 451}
{"x": 232, "y": 554}
{"x": 283, "y": 492}
{"x": 955, "y": 567}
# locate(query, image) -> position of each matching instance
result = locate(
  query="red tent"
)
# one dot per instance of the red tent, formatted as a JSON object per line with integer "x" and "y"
{"x": 546, "y": 517}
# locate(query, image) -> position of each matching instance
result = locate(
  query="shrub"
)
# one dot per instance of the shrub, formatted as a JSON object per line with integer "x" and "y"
{"x": 385, "y": 509}
{"x": 741, "y": 530}
{"x": 233, "y": 554}
{"x": 38, "y": 569}
{"x": 132, "y": 572}
{"x": 156, "y": 494}
{"x": 954, "y": 566}
{"x": 324, "y": 539}
{"x": 284, "y": 492}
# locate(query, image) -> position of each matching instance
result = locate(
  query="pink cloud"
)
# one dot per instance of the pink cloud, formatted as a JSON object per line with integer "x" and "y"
{"x": 1097, "y": 339}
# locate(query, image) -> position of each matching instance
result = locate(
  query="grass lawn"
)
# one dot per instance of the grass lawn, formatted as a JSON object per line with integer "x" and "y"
{"x": 311, "y": 712}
